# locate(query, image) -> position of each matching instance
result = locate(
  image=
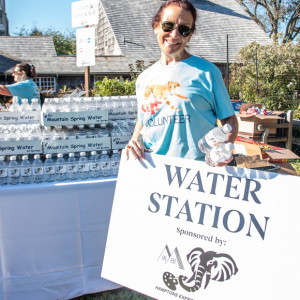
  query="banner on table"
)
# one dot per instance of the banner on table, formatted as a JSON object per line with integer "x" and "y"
{"x": 85, "y": 46}
{"x": 181, "y": 229}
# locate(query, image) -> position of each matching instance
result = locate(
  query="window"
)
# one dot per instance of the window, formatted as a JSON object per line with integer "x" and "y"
{"x": 46, "y": 84}
{"x": 105, "y": 42}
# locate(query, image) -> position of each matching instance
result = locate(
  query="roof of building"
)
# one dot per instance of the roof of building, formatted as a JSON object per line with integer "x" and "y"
{"x": 131, "y": 23}
{"x": 41, "y": 52}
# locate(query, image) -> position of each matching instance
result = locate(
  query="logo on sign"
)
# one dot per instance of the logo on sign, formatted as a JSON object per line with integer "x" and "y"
{"x": 204, "y": 266}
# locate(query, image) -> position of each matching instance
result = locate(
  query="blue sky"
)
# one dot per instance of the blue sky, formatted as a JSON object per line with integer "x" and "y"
{"x": 43, "y": 14}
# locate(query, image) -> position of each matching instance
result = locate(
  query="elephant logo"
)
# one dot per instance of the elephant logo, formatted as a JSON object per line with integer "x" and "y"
{"x": 205, "y": 266}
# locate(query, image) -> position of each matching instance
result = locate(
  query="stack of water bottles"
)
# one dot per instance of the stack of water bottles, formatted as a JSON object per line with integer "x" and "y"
{"x": 34, "y": 170}
{"x": 214, "y": 146}
{"x": 25, "y": 106}
{"x": 110, "y": 129}
{"x": 20, "y": 132}
{"x": 80, "y": 104}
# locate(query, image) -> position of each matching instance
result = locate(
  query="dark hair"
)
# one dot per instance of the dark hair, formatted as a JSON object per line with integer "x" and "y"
{"x": 184, "y": 4}
{"x": 29, "y": 69}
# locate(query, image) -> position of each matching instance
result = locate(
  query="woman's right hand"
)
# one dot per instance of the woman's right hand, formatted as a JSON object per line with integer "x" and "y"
{"x": 136, "y": 148}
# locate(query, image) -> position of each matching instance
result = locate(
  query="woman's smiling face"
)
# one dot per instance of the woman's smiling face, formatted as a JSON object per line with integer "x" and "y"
{"x": 172, "y": 44}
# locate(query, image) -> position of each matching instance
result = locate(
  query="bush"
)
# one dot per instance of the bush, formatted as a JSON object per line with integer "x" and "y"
{"x": 269, "y": 74}
{"x": 114, "y": 87}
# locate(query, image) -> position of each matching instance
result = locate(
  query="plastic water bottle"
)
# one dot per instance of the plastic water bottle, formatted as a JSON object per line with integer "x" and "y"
{"x": 13, "y": 171}
{"x": 49, "y": 169}
{"x": 115, "y": 162}
{"x": 83, "y": 104}
{"x": 25, "y": 170}
{"x": 72, "y": 167}
{"x": 47, "y": 106}
{"x": 12, "y": 132}
{"x": 2, "y": 133}
{"x": 35, "y": 132}
{"x": 83, "y": 166}
{"x": 15, "y": 106}
{"x": 3, "y": 171}
{"x": 103, "y": 132}
{"x": 219, "y": 154}
{"x": 37, "y": 169}
{"x": 58, "y": 133}
{"x": 70, "y": 133}
{"x": 92, "y": 132}
{"x": 25, "y": 105}
{"x": 115, "y": 131}
{"x": 47, "y": 134}
{"x": 23, "y": 133}
{"x": 35, "y": 106}
{"x": 215, "y": 136}
{"x": 105, "y": 169}
{"x": 94, "y": 165}
{"x": 58, "y": 104}
{"x": 81, "y": 133}
{"x": 60, "y": 168}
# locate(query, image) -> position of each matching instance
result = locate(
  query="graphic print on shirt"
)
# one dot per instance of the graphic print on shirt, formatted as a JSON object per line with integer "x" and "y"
{"x": 155, "y": 94}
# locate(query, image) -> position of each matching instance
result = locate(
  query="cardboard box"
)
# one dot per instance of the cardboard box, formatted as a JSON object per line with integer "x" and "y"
{"x": 248, "y": 123}
{"x": 249, "y": 156}
{"x": 272, "y": 154}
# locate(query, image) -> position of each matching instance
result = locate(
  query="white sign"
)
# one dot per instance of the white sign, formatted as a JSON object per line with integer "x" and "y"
{"x": 122, "y": 113}
{"x": 85, "y": 13}
{"x": 21, "y": 147}
{"x": 75, "y": 118}
{"x": 85, "y": 46}
{"x": 77, "y": 145}
{"x": 180, "y": 229}
{"x": 23, "y": 117}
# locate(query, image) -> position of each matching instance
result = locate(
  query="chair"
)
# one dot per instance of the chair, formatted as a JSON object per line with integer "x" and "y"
{"x": 284, "y": 130}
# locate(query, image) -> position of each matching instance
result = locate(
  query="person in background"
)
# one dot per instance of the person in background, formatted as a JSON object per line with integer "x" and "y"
{"x": 24, "y": 87}
{"x": 180, "y": 97}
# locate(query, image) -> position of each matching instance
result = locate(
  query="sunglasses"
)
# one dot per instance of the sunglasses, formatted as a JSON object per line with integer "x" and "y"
{"x": 184, "y": 30}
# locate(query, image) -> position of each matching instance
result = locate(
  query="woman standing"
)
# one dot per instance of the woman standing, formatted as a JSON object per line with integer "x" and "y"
{"x": 181, "y": 96}
{"x": 24, "y": 87}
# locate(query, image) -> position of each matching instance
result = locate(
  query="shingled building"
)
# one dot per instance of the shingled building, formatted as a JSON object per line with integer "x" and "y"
{"x": 124, "y": 35}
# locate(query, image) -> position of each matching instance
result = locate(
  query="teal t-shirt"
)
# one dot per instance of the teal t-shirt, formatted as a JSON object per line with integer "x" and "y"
{"x": 179, "y": 103}
{"x": 24, "y": 89}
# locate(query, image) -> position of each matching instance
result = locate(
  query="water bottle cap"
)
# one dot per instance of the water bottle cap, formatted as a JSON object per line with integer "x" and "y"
{"x": 24, "y": 157}
{"x": 24, "y": 100}
{"x": 227, "y": 128}
{"x": 48, "y": 155}
{"x": 81, "y": 126}
{"x": 71, "y": 154}
{"x": 104, "y": 152}
{"x": 1, "y": 158}
{"x": 115, "y": 151}
{"x": 60, "y": 155}
{"x": 82, "y": 153}
{"x": 13, "y": 157}
{"x": 70, "y": 126}
{"x": 36, "y": 156}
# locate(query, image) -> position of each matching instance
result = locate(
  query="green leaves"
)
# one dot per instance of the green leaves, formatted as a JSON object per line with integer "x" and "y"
{"x": 269, "y": 74}
{"x": 114, "y": 87}
{"x": 65, "y": 43}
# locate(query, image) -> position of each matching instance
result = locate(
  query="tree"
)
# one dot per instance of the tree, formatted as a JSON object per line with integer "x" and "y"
{"x": 275, "y": 15}
{"x": 64, "y": 43}
{"x": 269, "y": 74}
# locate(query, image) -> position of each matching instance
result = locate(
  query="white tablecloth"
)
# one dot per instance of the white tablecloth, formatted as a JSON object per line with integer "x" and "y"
{"x": 52, "y": 239}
